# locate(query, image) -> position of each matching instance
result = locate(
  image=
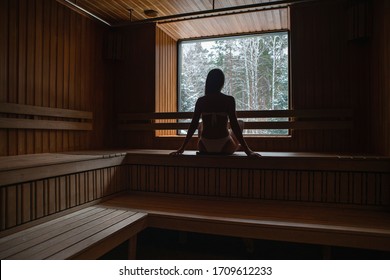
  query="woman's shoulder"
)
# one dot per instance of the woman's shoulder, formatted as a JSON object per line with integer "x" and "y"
{"x": 200, "y": 100}
{"x": 224, "y": 98}
{"x": 228, "y": 98}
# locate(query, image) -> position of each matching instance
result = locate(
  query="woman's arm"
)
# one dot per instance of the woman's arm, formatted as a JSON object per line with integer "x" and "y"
{"x": 191, "y": 129}
{"x": 237, "y": 130}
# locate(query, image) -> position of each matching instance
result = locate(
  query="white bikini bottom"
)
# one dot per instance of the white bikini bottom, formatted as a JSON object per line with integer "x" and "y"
{"x": 215, "y": 145}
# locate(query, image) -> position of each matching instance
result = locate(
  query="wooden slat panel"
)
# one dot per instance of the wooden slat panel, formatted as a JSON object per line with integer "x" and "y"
{"x": 248, "y": 22}
{"x": 38, "y": 71}
{"x": 116, "y": 12}
{"x": 166, "y": 76}
{"x": 43, "y": 124}
{"x": 105, "y": 240}
{"x": 92, "y": 231}
{"x": 54, "y": 241}
{"x": 378, "y": 102}
{"x": 38, "y": 171}
{"x": 336, "y": 181}
{"x": 15, "y": 243}
{"x": 30, "y": 201}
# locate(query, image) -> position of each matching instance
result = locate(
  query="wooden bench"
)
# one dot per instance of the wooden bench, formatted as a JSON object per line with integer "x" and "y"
{"x": 49, "y": 206}
{"x": 85, "y": 234}
{"x": 360, "y": 181}
{"x": 329, "y": 200}
{"x": 307, "y": 223}
{"x": 38, "y": 185}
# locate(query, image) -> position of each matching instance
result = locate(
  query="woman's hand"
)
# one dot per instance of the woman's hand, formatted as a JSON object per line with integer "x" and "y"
{"x": 251, "y": 153}
{"x": 177, "y": 153}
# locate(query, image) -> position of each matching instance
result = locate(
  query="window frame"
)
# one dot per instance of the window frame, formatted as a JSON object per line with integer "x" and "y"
{"x": 289, "y": 87}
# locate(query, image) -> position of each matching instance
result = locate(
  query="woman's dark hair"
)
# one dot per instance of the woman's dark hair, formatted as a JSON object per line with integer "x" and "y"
{"x": 215, "y": 81}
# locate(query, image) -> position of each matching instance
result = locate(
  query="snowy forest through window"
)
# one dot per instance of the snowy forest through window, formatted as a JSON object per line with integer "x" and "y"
{"x": 256, "y": 72}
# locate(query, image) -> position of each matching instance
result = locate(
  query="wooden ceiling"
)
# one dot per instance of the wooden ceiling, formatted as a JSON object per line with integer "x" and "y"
{"x": 183, "y": 19}
{"x": 228, "y": 24}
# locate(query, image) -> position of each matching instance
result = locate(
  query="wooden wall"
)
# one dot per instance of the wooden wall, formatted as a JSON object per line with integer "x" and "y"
{"x": 329, "y": 69}
{"x": 166, "y": 75}
{"x": 343, "y": 187}
{"x": 52, "y": 57}
{"x": 134, "y": 79}
{"x": 335, "y": 180}
{"x": 25, "y": 202}
{"x": 379, "y": 94}
{"x": 319, "y": 74}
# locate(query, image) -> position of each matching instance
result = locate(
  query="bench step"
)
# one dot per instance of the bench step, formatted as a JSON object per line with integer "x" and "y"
{"x": 319, "y": 224}
{"x": 86, "y": 234}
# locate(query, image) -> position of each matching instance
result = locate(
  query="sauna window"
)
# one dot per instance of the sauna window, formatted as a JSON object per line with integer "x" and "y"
{"x": 256, "y": 71}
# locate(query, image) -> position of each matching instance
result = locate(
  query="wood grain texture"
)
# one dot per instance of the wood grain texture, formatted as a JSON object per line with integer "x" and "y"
{"x": 377, "y": 106}
{"x": 166, "y": 76}
{"x": 86, "y": 234}
{"x": 273, "y": 220}
{"x": 36, "y": 186}
{"x": 300, "y": 177}
{"x": 48, "y": 50}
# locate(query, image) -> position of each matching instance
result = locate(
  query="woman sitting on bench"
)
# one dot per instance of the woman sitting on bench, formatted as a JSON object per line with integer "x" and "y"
{"x": 216, "y": 109}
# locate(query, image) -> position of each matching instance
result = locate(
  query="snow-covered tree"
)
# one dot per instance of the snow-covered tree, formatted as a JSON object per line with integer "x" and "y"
{"x": 255, "y": 67}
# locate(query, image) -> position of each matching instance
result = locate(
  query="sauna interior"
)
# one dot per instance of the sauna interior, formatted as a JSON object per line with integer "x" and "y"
{"x": 89, "y": 113}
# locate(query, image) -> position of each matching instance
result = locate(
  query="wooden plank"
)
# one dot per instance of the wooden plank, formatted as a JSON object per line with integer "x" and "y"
{"x": 43, "y": 124}
{"x": 90, "y": 229}
{"x": 11, "y": 206}
{"x": 329, "y": 113}
{"x": 30, "y": 91}
{"x": 52, "y": 71}
{"x": 18, "y": 235}
{"x": 22, "y": 69}
{"x": 248, "y": 125}
{"x": 38, "y": 63}
{"x": 274, "y": 220}
{"x": 31, "y": 237}
{"x": 48, "y": 237}
{"x": 3, "y": 208}
{"x": 102, "y": 242}
{"x": 269, "y": 160}
{"x": 39, "y": 172}
{"x": 20, "y": 109}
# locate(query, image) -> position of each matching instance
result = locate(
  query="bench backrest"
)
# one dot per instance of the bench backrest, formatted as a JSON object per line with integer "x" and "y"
{"x": 20, "y": 116}
{"x": 275, "y": 119}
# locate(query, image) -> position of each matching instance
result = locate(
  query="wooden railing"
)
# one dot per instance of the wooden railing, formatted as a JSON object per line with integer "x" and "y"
{"x": 296, "y": 119}
{"x": 18, "y": 116}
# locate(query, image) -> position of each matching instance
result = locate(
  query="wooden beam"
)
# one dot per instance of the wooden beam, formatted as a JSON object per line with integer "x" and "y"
{"x": 43, "y": 124}
{"x": 248, "y": 125}
{"x": 334, "y": 113}
{"x": 20, "y": 109}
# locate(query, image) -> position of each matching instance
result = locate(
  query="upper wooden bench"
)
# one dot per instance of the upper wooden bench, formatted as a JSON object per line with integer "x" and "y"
{"x": 32, "y": 167}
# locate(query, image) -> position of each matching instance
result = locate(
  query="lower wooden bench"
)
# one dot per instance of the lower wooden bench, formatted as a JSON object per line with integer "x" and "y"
{"x": 85, "y": 234}
{"x": 308, "y": 223}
